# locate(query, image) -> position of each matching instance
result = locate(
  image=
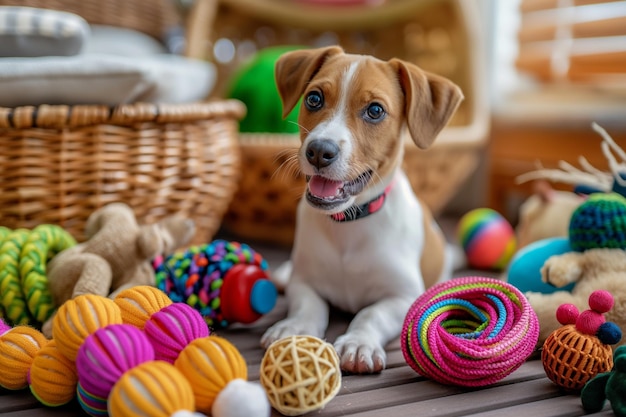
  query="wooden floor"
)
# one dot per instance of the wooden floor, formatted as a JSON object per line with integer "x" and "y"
{"x": 396, "y": 392}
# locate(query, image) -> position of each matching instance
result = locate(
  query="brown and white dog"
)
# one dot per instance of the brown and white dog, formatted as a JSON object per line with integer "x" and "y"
{"x": 364, "y": 243}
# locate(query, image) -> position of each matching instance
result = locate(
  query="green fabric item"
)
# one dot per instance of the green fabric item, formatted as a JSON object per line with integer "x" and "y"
{"x": 608, "y": 386}
{"x": 254, "y": 85}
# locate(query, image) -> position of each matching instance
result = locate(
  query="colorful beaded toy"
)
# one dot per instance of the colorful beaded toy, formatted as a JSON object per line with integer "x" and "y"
{"x": 225, "y": 281}
{"x": 470, "y": 331}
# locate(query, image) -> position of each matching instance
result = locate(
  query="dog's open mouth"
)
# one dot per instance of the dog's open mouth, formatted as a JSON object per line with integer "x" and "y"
{"x": 326, "y": 194}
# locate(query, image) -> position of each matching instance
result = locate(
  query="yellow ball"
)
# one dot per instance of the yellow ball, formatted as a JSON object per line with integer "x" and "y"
{"x": 300, "y": 374}
{"x": 154, "y": 388}
{"x": 53, "y": 377}
{"x": 210, "y": 363}
{"x": 139, "y": 303}
{"x": 18, "y": 348}
{"x": 79, "y": 317}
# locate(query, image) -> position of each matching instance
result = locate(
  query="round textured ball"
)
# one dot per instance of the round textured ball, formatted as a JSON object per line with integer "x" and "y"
{"x": 53, "y": 377}
{"x": 108, "y": 353}
{"x": 571, "y": 358}
{"x": 18, "y": 348}
{"x": 210, "y": 363}
{"x": 487, "y": 239}
{"x": 153, "y": 388}
{"x": 599, "y": 222}
{"x": 77, "y": 318}
{"x": 470, "y": 331}
{"x": 173, "y": 328}
{"x": 139, "y": 303}
{"x": 300, "y": 374}
{"x": 91, "y": 404}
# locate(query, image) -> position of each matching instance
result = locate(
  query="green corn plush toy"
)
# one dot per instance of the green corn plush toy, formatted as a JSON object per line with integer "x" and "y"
{"x": 608, "y": 386}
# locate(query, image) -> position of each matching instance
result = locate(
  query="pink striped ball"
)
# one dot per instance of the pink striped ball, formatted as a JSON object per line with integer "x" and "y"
{"x": 107, "y": 354}
{"x": 172, "y": 328}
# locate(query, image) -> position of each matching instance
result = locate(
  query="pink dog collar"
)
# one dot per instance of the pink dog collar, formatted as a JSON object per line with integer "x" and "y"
{"x": 363, "y": 210}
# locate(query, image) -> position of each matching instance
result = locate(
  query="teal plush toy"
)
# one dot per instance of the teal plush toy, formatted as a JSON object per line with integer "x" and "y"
{"x": 608, "y": 386}
{"x": 255, "y": 86}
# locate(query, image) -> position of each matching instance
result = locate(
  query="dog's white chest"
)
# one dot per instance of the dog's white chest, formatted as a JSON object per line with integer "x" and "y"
{"x": 353, "y": 264}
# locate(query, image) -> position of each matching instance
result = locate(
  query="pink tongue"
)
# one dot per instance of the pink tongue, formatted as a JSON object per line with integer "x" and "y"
{"x": 323, "y": 187}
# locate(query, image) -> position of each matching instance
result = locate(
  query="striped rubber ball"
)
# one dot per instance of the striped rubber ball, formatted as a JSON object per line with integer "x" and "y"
{"x": 487, "y": 238}
{"x": 79, "y": 317}
{"x": 107, "y": 354}
{"x": 52, "y": 376}
{"x": 139, "y": 303}
{"x": 18, "y": 348}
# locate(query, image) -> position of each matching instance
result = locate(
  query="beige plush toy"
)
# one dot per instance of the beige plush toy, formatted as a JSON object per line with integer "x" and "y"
{"x": 116, "y": 255}
{"x": 593, "y": 269}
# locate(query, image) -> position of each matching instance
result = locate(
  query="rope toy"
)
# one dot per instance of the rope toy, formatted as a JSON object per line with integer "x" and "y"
{"x": 300, "y": 374}
{"x": 469, "y": 331}
{"x": 578, "y": 351}
{"x": 225, "y": 281}
{"x": 24, "y": 254}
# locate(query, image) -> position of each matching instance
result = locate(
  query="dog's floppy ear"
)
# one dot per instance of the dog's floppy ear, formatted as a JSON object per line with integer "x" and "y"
{"x": 295, "y": 69}
{"x": 430, "y": 101}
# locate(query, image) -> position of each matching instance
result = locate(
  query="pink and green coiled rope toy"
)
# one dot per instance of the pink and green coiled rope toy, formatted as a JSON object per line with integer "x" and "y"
{"x": 469, "y": 331}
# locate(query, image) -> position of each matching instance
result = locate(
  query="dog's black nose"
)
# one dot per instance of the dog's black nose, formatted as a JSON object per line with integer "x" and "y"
{"x": 322, "y": 152}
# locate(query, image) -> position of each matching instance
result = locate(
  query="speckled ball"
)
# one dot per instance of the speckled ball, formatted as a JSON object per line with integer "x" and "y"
{"x": 52, "y": 376}
{"x": 487, "y": 238}
{"x": 599, "y": 222}
{"x": 108, "y": 353}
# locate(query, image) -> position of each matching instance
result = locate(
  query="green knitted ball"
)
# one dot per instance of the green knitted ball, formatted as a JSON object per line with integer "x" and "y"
{"x": 600, "y": 222}
{"x": 254, "y": 85}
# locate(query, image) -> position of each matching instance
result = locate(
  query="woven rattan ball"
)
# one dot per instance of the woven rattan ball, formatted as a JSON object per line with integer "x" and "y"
{"x": 571, "y": 358}
{"x": 300, "y": 374}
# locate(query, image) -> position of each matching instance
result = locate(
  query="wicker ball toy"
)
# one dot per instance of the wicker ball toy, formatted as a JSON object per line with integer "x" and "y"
{"x": 18, "y": 347}
{"x": 52, "y": 377}
{"x": 107, "y": 354}
{"x": 218, "y": 376}
{"x": 300, "y": 374}
{"x": 79, "y": 317}
{"x": 578, "y": 351}
{"x": 225, "y": 281}
{"x": 599, "y": 222}
{"x": 139, "y": 303}
{"x": 470, "y": 331}
{"x": 153, "y": 388}
{"x": 172, "y": 328}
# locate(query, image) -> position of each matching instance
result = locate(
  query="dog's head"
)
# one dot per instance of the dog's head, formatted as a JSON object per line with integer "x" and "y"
{"x": 354, "y": 111}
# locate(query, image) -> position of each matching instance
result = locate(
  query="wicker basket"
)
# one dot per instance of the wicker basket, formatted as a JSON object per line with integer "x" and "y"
{"x": 438, "y": 35}
{"x": 58, "y": 163}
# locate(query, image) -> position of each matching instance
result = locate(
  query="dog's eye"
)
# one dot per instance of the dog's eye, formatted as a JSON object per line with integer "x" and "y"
{"x": 314, "y": 100}
{"x": 375, "y": 112}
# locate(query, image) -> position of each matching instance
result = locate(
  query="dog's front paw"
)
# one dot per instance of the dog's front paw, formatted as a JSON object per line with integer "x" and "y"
{"x": 359, "y": 355}
{"x": 288, "y": 327}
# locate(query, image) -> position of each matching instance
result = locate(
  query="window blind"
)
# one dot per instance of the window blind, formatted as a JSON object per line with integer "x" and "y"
{"x": 581, "y": 41}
